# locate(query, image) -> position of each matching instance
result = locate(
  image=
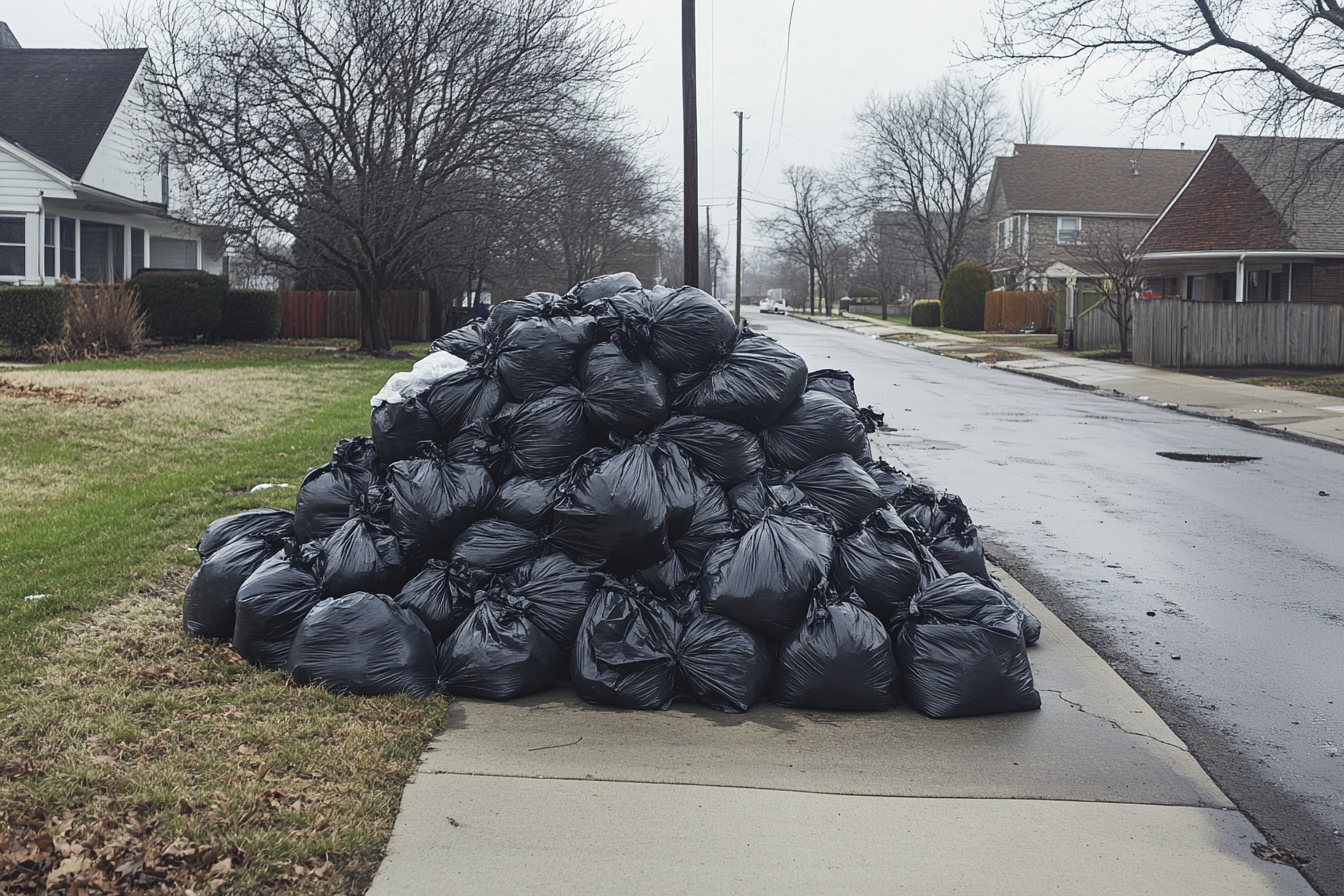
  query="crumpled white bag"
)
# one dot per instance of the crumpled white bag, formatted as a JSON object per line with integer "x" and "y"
{"x": 427, "y": 371}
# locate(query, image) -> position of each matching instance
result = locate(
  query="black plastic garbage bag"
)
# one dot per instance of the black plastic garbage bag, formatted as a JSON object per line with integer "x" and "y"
{"x": 462, "y": 397}
{"x": 554, "y": 591}
{"x": 208, "y": 610}
{"x": 441, "y": 594}
{"x": 720, "y": 662}
{"x": 362, "y": 555}
{"x": 678, "y": 479}
{"x": 725, "y": 452}
{"x": 956, "y": 541}
{"x": 839, "y": 383}
{"x": 622, "y": 395}
{"x": 962, "y": 653}
{"x": 689, "y": 330}
{"x": 917, "y": 505}
{"x": 1031, "y": 626}
{"x": 881, "y": 562}
{"x": 613, "y": 515}
{"x": 765, "y": 578}
{"x": 434, "y": 499}
{"x": 527, "y": 502}
{"x": 625, "y": 654}
{"x": 752, "y": 386}
{"x": 272, "y": 603}
{"x": 893, "y": 482}
{"x": 710, "y": 524}
{"x": 839, "y": 659}
{"x": 815, "y": 425}
{"x": 838, "y": 485}
{"x": 249, "y": 524}
{"x": 603, "y": 287}
{"x": 464, "y": 342}
{"x": 497, "y": 546}
{"x": 506, "y": 314}
{"x": 481, "y": 443}
{"x": 670, "y": 578}
{"x": 539, "y": 353}
{"x": 497, "y": 653}
{"x": 399, "y": 428}
{"x": 546, "y": 435}
{"x": 751, "y": 499}
{"x": 872, "y": 419}
{"x": 363, "y": 644}
{"x": 330, "y": 491}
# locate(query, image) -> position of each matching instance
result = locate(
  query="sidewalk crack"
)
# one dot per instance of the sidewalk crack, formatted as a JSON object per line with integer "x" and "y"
{"x": 1078, "y": 706}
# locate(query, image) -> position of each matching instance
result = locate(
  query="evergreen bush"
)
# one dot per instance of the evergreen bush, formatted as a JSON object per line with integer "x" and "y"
{"x": 31, "y": 315}
{"x": 181, "y": 304}
{"x": 926, "y": 314}
{"x": 250, "y": 314}
{"x": 963, "y": 296}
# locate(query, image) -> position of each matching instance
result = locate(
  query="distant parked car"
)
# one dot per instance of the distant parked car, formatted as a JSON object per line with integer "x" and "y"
{"x": 770, "y": 306}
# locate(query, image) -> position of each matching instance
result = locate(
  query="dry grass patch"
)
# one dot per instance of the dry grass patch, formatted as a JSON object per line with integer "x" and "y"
{"x": 139, "y": 760}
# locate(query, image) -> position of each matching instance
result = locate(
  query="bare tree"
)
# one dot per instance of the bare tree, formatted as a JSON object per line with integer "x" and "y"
{"x": 1030, "y": 108}
{"x": 1274, "y": 61}
{"x": 810, "y": 231}
{"x": 929, "y": 154}
{"x": 356, "y": 123}
{"x": 1111, "y": 255}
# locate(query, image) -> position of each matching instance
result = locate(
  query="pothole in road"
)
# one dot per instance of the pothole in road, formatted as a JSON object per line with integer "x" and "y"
{"x": 1206, "y": 458}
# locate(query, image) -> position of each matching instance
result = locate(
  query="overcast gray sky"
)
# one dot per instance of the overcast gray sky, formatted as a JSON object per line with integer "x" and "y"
{"x": 799, "y": 85}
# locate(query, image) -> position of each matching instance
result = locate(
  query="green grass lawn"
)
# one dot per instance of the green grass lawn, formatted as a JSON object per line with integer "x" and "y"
{"x": 119, "y": 732}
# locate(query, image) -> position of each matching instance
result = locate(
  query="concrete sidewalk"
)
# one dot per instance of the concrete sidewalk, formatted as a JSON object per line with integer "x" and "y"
{"x": 1302, "y": 415}
{"x": 1092, "y": 794}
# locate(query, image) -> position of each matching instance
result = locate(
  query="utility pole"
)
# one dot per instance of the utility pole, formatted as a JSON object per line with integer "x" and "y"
{"x": 737, "y": 291}
{"x": 691, "y": 157}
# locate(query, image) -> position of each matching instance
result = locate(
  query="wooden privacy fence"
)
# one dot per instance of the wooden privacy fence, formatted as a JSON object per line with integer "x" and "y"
{"x": 335, "y": 312}
{"x": 1095, "y": 330}
{"x": 1009, "y": 312}
{"x": 1176, "y": 333}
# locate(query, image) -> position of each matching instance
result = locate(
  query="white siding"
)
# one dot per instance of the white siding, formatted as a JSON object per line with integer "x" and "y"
{"x": 22, "y": 185}
{"x": 125, "y": 163}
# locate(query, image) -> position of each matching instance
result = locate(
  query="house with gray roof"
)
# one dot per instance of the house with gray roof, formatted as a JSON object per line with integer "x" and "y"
{"x": 1045, "y": 201}
{"x": 83, "y": 194}
{"x": 1261, "y": 219}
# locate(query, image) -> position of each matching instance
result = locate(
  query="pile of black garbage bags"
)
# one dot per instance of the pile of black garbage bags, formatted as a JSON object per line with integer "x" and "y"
{"x": 622, "y": 488}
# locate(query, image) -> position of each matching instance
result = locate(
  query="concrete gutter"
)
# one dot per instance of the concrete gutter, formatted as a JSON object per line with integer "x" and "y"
{"x": 1092, "y": 794}
{"x": 1302, "y": 416}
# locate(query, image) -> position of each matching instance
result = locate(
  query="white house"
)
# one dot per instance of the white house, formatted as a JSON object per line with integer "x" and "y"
{"x": 82, "y": 194}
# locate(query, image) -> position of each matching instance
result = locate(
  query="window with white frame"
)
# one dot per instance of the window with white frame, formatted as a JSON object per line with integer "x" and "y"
{"x": 13, "y": 246}
{"x": 1068, "y": 231}
{"x": 1007, "y": 233}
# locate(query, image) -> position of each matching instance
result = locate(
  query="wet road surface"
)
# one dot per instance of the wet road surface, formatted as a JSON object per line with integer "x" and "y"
{"x": 1216, "y": 589}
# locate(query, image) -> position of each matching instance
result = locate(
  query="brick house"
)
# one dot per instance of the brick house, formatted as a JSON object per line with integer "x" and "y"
{"x": 1043, "y": 201}
{"x": 1261, "y": 219}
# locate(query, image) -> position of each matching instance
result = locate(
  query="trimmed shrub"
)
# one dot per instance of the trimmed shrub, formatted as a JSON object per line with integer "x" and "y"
{"x": 101, "y": 319}
{"x": 31, "y": 315}
{"x": 250, "y": 314}
{"x": 926, "y": 314}
{"x": 864, "y": 292}
{"x": 963, "y": 296}
{"x": 181, "y": 304}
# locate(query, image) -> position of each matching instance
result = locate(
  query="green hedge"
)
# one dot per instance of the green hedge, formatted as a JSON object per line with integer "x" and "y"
{"x": 250, "y": 314}
{"x": 963, "y": 296}
{"x": 31, "y": 315}
{"x": 926, "y": 314}
{"x": 181, "y": 304}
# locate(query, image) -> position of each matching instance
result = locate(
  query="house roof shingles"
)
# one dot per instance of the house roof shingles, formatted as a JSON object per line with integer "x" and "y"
{"x": 57, "y": 104}
{"x": 1303, "y": 179}
{"x": 1093, "y": 179}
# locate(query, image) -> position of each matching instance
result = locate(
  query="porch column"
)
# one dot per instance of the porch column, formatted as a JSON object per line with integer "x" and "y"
{"x": 1241, "y": 278}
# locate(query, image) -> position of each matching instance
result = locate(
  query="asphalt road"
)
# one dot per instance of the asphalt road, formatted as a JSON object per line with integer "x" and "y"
{"x": 1215, "y": 589}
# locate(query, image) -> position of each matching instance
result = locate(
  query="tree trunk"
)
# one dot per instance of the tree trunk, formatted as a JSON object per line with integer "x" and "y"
{"x": 372, "y": 331}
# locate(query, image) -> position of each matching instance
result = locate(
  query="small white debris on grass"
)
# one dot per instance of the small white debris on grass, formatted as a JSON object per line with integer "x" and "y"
{"x": 34, "y": 596}
{"x": 265, "y": 485}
